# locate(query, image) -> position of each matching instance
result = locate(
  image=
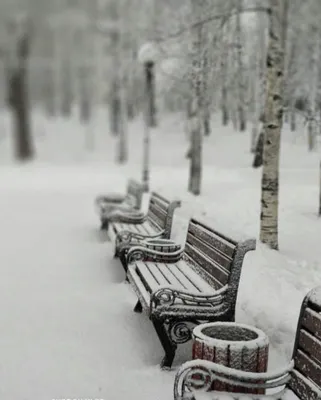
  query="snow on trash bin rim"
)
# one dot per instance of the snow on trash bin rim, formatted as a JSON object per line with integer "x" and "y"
{"x": 259, "y": 339}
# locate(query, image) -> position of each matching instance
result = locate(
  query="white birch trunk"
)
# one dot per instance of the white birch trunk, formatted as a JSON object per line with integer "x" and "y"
{"x": 314, "y": 83}
{"x": 273, "y": 127}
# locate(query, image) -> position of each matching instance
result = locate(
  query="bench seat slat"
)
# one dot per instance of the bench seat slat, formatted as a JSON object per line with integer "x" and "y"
{"x": 156, "y": 275}
{"x": 177, "y": 276}
{"x": 150, "y": 281}
{"x": 161, "y": 278}
{"x": 194, "y": 277}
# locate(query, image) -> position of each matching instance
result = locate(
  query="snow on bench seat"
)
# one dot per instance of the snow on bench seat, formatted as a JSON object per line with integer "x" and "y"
{"x": 201, "y": 285}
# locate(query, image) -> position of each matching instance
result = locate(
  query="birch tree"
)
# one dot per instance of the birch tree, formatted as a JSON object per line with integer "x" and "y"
{"x": 313, "y": 88}
{"x": 272, "y": 127}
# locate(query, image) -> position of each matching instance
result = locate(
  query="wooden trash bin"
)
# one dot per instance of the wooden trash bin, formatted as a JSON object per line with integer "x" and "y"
{"x": 233, "y": 345}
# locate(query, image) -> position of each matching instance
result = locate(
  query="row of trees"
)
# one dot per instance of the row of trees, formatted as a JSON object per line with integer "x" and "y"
{"x": 246, "y": 59}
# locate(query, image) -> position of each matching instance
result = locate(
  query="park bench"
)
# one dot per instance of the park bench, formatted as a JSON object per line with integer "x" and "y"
{"x": 300, "y": 380}
{"x": 184, "y": 288}
{"x": 132, "y": 200}
{"x": 127, "y": 230}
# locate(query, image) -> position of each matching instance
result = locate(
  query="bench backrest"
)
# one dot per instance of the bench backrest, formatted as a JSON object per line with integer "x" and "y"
{"x": 217, "y": 258}
{"x": 135, "y": 192}
{"x": 161, "y": 212}
{"x": 306, "y": 377}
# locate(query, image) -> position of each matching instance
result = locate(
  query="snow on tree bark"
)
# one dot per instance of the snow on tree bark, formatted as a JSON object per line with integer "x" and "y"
{"x": 273, "y": 127}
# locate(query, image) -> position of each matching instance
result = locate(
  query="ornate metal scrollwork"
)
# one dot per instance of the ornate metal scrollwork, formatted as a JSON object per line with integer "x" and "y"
{"x": 192, "y": 379}
{"x": 136, "y": 255}
{"x": 164, "y": 296}
{"x": 180, "y": 332}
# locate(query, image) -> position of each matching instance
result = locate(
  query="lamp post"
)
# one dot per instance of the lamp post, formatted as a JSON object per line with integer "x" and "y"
{"x": 148, "y": 55}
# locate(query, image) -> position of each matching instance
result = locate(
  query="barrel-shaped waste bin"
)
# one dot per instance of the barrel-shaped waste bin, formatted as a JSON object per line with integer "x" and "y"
{"x": 233, "y": 345}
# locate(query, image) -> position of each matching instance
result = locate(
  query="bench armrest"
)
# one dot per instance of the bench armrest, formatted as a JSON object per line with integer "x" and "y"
{"x": 122, "y": 207}
{"x": 125, "y": 237}
{"x": 208, "y": 372}
{"x": 112, "y": 198}
{"x": 141, "y": 253}
{"x": 126, "y": 216}
{"x": 168, "y": 296}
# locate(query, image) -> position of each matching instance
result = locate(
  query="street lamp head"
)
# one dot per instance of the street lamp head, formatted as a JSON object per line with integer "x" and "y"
{"x": 148, "y": 53}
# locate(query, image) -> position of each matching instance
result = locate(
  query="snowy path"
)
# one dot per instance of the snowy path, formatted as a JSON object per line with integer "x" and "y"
{"x": 67, "y": 326}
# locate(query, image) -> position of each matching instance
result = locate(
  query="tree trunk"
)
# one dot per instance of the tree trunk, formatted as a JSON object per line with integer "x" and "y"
{"x": 224, "y": 79}
{"x": 49, "y": 92}
{"x": 273, "y": 127}
{"x": 18, "y": 97}
{"x": 313, "y": 92}
{"x": 240, "y": 70}
{"x": 259, "y": 89}
{"x": 195, "y": 177}
{"x": 66, "y": 89}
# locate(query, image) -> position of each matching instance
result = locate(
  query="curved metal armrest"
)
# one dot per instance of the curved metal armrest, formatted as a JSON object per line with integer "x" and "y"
{"x": 208, "y": 372}
{"x": 126, "y": 216}
{"x": 125, "y": 237}
{"x": 112, "y": 198}
{"x": 167, "y": 296}
{"x": 141, "y": 253}
{"x": 121, "y": 207}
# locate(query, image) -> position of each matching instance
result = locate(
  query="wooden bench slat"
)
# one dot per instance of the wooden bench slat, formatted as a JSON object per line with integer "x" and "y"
{"x": 194, "y": 277}
{"x": 139, "y": 287}
{"x": 145, "y": 228}
{"x": 206, "y": 263}
{"x": 160, "y": 201}
{"x": 150, "y": 281}
{"x": 207, "y": 236}
{"x": 310, "y": 345}
{"x": 303, "y": 388}
{"x": 161, "y": 278}
{"x": 215, "y": 254}
{"x": 178, "y": 276}
{"x": 312, "y": 322}
{"x": 308, "y": 367}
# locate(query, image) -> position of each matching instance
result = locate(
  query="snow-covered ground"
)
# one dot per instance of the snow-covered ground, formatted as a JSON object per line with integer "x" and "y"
{"x": 67, "y": 325}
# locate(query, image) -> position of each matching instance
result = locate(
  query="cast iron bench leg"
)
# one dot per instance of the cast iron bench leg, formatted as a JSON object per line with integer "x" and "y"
{"x": 168, "y": 346}
{"x": 138, "y": 307}
{"x": 104, "y": 225}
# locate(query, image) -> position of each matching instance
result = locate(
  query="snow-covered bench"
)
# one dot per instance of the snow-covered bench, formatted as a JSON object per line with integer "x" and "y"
{"x": 131, "y": 200}
{"x": 127, "y": 230}
{"x": 180, "y": 289}
{"x": 300, "y": 380}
